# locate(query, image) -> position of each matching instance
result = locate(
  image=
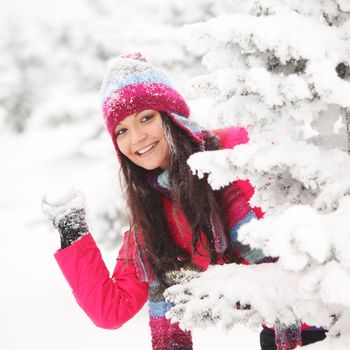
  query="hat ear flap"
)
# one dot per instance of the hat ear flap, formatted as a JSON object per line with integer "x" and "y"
{"x": 193, "y": 129}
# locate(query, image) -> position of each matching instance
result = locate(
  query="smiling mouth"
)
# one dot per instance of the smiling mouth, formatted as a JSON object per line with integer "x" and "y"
{"x": 146, "y": 150}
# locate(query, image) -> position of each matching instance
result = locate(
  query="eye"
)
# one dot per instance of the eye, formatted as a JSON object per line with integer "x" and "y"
{"x": 120, "y": 132}
{"x": 146, "y": 118}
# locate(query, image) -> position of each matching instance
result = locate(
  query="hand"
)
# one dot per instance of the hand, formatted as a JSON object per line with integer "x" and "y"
{"x": 67, "y": 213}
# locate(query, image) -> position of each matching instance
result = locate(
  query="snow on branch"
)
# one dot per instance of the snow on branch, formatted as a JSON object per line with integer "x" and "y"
{"x": 303, "y": 238}
{"x": 283, "y": 173}
{"x": 228, "y": 295}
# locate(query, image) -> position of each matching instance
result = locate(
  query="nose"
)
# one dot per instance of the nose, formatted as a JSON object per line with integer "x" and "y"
{"x": 136, "y": 136}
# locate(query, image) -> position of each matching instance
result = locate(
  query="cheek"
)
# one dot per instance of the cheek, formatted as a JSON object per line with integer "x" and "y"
{"x": 122, "y": 146}
{"x": 166, "y": 146}
{"x": 159, "y": 132}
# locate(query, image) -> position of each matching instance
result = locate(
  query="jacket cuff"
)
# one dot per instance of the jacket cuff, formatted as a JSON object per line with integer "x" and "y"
{"x": 78, "y": 260}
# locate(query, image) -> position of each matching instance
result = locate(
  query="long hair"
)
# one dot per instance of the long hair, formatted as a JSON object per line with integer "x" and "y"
{"x": 194, "y": 196}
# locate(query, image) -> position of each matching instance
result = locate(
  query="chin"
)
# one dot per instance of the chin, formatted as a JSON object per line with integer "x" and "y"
{"x": 151, "y": 165}
{"x": 148, "y": 166}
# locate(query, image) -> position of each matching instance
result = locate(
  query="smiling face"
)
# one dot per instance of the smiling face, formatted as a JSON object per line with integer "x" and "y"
{"x": 140, "y": 137}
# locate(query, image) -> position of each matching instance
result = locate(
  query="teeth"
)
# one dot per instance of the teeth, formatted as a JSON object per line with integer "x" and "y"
{"x": 144, "y": 150}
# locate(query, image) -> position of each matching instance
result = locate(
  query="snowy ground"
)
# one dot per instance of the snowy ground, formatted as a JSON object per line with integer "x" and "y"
{"x": 37, "y": 308}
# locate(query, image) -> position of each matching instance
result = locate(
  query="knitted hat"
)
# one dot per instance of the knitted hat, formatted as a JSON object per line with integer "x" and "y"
{"x": 131, "y": 85}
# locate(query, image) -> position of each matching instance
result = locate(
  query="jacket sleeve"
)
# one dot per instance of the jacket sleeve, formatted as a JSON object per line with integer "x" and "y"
{"x": 108, "y": 301}
{"x": 231, "y": 137}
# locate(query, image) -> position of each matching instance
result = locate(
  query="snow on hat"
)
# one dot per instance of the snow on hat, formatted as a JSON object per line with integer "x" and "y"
{"x": 131, "y": 85}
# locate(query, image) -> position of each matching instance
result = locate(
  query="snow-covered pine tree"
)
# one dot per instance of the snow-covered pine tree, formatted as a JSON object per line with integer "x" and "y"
{"x": 281, "y": 69}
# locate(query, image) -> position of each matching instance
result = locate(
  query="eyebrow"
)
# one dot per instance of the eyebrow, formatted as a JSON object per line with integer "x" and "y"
{"x": 145, "y": 110}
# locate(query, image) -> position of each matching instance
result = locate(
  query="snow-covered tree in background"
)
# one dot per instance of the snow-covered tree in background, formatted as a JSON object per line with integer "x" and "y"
{"x": 281, "y": 69}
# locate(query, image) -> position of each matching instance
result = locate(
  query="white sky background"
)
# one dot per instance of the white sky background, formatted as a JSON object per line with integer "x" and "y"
{"x": 37, "y": 308}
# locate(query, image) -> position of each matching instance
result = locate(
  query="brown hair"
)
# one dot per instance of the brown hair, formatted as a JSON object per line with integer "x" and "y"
{"x": 194, "y": 196}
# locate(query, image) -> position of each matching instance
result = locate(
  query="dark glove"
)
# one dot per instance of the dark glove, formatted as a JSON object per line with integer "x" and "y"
{"x": 67, "y": 214}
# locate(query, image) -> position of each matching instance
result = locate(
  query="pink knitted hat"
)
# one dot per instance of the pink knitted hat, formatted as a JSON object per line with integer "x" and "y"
{"x": 131, "y": 85}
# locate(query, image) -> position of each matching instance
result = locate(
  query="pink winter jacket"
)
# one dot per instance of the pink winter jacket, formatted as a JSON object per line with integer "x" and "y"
{"x": 110, "y": 301}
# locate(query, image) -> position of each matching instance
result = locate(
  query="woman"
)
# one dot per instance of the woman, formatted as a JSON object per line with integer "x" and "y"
{"x": 177, "y": 220}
